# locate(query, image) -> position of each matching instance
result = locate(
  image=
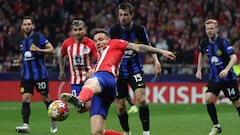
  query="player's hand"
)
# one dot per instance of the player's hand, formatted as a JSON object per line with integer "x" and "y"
{"x": 168, "y": 55}
{"x": 34, "y": 48}
{"x": 158, "y": 70}
{"x": 62, "y": 76}
{"x": 199, "y": 75}
{"x": 223, "y": 73}
{"x": 16, "y": 63}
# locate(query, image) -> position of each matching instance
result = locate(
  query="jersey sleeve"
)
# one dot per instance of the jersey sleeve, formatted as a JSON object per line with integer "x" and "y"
{"x": 145, "y": 36}
{"x": 94, "y": 50}
{"x": 120, "y": 44}
{"x": 42, "y": 40}
{"x": 201, "y": 46}
{"x": 227, "y": 47}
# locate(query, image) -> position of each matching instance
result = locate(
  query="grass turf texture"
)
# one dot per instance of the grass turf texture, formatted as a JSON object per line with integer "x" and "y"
{"x": 165, "y": 119}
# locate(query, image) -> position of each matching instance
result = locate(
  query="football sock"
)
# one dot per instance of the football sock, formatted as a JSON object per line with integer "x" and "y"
{"x": 47, "y": 103}
{"x": 123, "y": 119}
{"x": 144, "y": 117}
{"x": 26, "y": 112}
{"x": 238, "y": 109}
{"x": 86, "y": 94}
{"x": 112, "y": 132}
{"x": 212, "y": 113}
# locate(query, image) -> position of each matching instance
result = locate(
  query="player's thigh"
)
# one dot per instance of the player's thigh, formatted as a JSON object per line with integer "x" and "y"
{"x": 76, "y": 88}
{"x": 213, "y": 90}
{"x": 230, "y": 90}
{"x": 122, "y": 88}
{"x": 27, "y": 86}
{"x": 42, "y": 87}
{"x": 97, "y": 124}
{"x": 137, "y": 81}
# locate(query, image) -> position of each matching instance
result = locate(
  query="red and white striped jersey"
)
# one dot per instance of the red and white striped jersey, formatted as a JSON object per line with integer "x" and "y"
{"x": 80, "y": 57}
{"x": 111, "y": 56}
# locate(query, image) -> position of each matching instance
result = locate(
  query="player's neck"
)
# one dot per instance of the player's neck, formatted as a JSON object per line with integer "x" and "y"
{"x": 213, "y": 39}
{"x": 127, "y": 27}
{"x": 26, "y": 35}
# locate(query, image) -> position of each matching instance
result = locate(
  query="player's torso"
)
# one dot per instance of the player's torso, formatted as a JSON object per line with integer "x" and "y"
{"x": 131, "y": 62}
{"x": 80, "y": 60}
{"x": 111, "y": 57}
{"x": 33, "y": 63}
{"x": 218, "y": 59}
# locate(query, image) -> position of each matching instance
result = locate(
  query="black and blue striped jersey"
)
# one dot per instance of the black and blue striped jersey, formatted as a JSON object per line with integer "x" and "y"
{"x": 33, "y": 62}
{"x": 132, "y": 61}
{"x": 219, "y": 56}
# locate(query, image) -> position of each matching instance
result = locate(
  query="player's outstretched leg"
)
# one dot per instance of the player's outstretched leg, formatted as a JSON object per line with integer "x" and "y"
{"x": 75, "y": 101}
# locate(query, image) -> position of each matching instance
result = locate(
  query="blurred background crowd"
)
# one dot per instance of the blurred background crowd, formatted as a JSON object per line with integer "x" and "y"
{"x": 176, "y": 25}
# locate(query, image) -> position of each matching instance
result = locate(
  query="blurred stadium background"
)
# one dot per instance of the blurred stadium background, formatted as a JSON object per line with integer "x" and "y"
{"x": 175, "y": 25}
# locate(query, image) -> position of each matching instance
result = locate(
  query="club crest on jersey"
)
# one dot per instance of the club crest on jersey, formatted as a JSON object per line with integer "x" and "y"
{"x": 28, "y": 56}
{"x": 86, "y": 50}
{"x": 215, "y": 61}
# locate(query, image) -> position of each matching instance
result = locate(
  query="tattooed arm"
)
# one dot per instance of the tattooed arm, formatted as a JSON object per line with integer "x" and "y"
{"x": 148, "y": 49}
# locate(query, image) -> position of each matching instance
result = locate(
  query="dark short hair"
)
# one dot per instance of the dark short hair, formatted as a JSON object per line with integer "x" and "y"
{"x": 126, "y": 6}
{"x": 100, "y": 30}
{"x": 28, "y": 17}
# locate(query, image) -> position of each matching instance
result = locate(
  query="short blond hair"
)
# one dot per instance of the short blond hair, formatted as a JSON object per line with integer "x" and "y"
{"x": 210, "y": 21}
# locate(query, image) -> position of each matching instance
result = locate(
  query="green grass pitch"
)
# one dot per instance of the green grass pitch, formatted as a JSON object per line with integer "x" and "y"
{"x": 165, "y": 119}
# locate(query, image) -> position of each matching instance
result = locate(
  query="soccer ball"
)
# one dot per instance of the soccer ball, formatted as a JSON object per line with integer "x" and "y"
{"x": 58, "y": 110}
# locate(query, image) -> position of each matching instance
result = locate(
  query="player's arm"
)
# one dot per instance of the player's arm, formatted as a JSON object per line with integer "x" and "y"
{"x": 157, "y": 65}
{"x": 62, "y": 61}
{"x": 199, "y": 66}
{"x": 149, "y": 49}
{"x": 48, "y": 48}
{"x": 232, "y": 61}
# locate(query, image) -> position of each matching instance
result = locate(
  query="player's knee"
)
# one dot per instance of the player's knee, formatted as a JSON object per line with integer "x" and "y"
{"x": 121, "y": 107}
{"x": 141, "y": 101}
{"x": 209, "y": 97}
{"x": 97, "y": 131}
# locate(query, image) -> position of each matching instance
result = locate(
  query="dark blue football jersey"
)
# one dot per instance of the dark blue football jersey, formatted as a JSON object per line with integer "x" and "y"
{"x": 132, "y": 61}
{"x": 33, "y": 63}
{"x": 219, "y": 56}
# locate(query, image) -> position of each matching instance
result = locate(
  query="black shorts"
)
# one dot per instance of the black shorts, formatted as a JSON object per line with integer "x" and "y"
{"x": 135, "y": 81}
{"x": 230, "y": 89}
{"x": 27, "y": 86}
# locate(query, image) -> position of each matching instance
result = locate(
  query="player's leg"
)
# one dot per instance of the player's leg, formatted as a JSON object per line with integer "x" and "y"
{"x": 232, "y": 92}
{"x": 76, "y": 88}
{"x": 122, "y": 89}
{"x": 138, "y": 85}
{"x": 143, "y": 110}
{"x": 211, "y": 94}
{"x": 133, "y": 107}
{"x": 26, "y": 90}
{"x": 43, "y": 88}
{"x": 101, "y": 103}
{"x": 97, "y": 125}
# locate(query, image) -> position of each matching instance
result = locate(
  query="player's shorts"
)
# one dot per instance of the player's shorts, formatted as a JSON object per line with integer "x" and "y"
{"x": 230, "y": 89}
{"x": 101, "y": 102}
{"x": 27, "y": 86}
{"x": 76, "y": 88}
{"x": 135, "y": 81}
